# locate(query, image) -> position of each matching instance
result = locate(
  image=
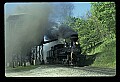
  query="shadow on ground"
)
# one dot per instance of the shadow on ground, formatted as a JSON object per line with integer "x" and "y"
{"x": 90, "y": 59}
{"x": 86, "y": 60}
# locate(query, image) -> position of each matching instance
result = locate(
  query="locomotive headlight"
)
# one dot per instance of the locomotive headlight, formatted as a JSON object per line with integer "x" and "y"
{"x": 76, "y": 42}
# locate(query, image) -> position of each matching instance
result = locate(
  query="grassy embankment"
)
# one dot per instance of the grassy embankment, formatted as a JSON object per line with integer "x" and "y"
{"x": 21, "y": 68}
{"x": 107, "y": 57}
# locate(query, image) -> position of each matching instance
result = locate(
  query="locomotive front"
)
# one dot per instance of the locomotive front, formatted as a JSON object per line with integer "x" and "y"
{"x": 73, "y": 51}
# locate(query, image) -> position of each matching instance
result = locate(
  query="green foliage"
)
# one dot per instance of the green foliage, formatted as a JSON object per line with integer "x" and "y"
{"x": 99, "y": 27}
{"x": 108, "y": 56}
{"x": 106, "y": 13}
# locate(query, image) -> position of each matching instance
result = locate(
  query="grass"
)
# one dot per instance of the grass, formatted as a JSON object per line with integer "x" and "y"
{"x": 108, "y": 56}
{"x": 21, "y": 68}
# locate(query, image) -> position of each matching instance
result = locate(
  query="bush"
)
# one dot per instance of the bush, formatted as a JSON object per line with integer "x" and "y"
{"x": 108, "y": 56}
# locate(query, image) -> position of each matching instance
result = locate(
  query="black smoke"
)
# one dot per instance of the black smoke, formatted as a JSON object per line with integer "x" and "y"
{"x": 66, "y": 31}
{"x": 62, "y": 31}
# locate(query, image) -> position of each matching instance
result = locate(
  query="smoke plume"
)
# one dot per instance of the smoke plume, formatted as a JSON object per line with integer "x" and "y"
{"x": 63, "y": 31}
{"x": 25, "y": 29}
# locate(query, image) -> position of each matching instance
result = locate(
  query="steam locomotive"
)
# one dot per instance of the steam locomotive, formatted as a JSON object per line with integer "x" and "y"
{"x": 68, "y": 53}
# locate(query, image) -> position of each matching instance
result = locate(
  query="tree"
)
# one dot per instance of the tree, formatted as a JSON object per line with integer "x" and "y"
{"x": 106, "y": 13}
{"x": 98, "y": 25}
